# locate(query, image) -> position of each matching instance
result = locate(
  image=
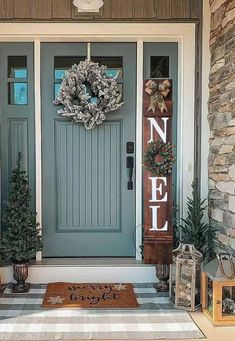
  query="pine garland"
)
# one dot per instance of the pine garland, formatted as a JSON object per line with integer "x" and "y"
{"x": 165, "y": 150}
{"x": 22, "y": 239}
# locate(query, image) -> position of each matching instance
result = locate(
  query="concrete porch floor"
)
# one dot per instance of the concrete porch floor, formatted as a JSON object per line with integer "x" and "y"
{"x": 211, "y": 332}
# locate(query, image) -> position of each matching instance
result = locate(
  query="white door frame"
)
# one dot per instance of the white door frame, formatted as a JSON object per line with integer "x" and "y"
{"x": 182, "y": 33}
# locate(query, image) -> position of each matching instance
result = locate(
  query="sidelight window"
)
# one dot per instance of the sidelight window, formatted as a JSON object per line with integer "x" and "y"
{"x": 159, "y": 67}
{"x": 17, "y": 80}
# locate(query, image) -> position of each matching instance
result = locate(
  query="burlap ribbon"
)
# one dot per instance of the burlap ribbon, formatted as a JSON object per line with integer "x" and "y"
{"x": 157, "y": 92}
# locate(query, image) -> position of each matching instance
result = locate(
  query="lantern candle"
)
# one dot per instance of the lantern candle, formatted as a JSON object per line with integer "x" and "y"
{"x": 185, "y": 277}
{"x": 218, "y": 290}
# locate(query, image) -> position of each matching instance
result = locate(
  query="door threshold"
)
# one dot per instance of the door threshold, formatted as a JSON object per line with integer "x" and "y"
{"x": 90, "y": 262}
{"x": 87, "y": 270}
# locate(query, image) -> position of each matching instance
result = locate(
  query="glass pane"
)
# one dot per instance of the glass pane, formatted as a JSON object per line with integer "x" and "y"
{"x": 61, "y": 64}
{"x": 114, "y": 65}
{"x": 93, "y": 99}
{"x": 209, "y": 297}
{"x": 17, "y": 67}
{"x": 56, "y": 89}
{"x": 228, "y": 301}
{"x": 159, "y": 67}
{"x": 17, "y": 93}
{"x": 198, "y": 285}
{"x": 173, "y": 281}
{"x": 185, "y": 285}
{"x": 114, "y": 73}
{"x": 110, "y": 62}
{"x": 59, "y": 74}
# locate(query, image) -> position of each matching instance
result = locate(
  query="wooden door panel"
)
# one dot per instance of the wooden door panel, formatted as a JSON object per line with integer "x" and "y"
{"x": 87, "y": 208}
{"x": 88, "y": 176}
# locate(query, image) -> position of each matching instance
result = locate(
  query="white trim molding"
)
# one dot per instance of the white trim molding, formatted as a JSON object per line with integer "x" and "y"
{"x": 205, "y": 129}
{"x": 38, "y": 134}
{"x": 139, "y": 116}
{"x": 182, "y": 33}
{"x": 185, "y": 121}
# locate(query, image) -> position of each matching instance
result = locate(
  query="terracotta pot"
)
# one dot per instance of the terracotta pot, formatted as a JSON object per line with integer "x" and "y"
{"x": 20, "y": 274}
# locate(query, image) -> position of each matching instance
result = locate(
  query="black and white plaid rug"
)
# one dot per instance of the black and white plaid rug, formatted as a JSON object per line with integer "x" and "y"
{"x": 22, "y": 318}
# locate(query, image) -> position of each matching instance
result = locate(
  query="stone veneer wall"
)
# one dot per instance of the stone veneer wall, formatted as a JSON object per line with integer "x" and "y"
{"x": 222, "y": 121}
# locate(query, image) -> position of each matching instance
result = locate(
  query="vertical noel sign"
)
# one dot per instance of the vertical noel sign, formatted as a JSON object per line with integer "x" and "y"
{"x": 157, "y": 123}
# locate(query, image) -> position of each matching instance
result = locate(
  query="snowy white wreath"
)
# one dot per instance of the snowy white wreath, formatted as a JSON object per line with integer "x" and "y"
{"x": 87, "y": 94}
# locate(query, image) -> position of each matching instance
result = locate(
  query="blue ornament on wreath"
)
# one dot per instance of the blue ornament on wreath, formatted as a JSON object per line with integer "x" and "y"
{"x": 88, "y": 94}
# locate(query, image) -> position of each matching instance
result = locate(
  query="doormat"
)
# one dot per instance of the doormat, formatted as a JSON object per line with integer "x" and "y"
{"x": 89, "y": 295}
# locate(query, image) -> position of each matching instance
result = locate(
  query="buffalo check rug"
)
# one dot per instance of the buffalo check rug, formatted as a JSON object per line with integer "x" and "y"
{"x": 23, "y": 318}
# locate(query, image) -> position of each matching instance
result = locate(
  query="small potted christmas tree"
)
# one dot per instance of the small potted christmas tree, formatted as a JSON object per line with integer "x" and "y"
{"x": 195, "y": 230}
{"x": 21, "y": 239}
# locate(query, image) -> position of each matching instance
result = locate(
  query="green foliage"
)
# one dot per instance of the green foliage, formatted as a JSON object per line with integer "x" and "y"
{"x": 194, "y": 230}
{"x": 165, "y": 151}
{"x": 176, "y": 228}
{"x": 21, "y": 240}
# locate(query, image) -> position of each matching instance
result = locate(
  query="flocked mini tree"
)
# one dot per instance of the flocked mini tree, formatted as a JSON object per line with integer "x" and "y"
{"x": 21, "y": 239}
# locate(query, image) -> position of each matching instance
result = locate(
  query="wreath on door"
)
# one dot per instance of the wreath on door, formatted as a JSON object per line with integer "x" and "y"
{"x": 88, "y": 94}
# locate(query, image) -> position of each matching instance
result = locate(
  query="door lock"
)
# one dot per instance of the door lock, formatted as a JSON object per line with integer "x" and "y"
{"x": 130, "y": 148}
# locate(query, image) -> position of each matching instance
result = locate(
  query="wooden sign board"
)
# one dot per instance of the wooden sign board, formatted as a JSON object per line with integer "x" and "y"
{"x": 158, "y": 207}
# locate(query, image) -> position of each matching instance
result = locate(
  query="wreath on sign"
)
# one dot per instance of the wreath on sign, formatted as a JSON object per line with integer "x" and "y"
{"x": 165, "y": 150}
{"x": 87, "y": 94}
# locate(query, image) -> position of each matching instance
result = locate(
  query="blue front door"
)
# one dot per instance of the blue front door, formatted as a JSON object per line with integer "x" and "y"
{"x": 88, "y": 209}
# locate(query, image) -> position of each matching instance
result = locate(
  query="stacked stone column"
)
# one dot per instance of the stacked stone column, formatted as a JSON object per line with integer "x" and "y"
{"x": 222, "y": 122}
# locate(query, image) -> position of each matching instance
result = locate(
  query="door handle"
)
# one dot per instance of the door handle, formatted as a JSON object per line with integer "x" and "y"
{"x": 130, "y": 166}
